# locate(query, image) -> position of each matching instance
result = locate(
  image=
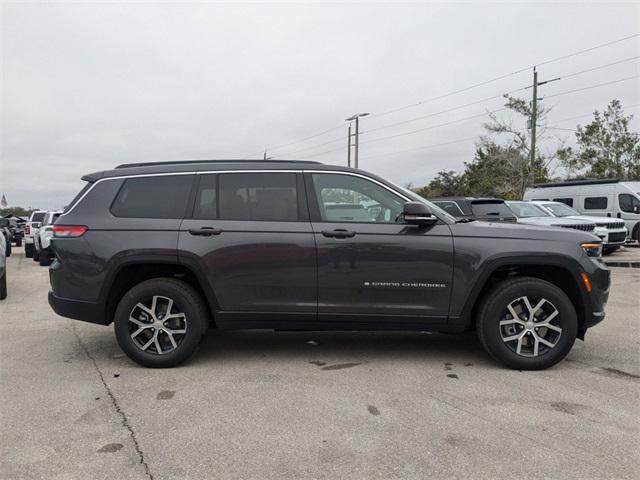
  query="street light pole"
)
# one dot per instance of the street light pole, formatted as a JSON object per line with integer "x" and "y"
{"x": 356, "y": 143}
{"x": 349, "y": 147}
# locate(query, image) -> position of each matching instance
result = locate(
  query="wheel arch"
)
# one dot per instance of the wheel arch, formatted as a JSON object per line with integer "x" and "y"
{"x": 557, "y": 270}
{"x": 133, "y": 271}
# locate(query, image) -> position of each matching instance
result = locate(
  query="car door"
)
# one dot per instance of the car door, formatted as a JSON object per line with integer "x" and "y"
{"x": 249, "y": 233}
{"x": 371, "y": 268}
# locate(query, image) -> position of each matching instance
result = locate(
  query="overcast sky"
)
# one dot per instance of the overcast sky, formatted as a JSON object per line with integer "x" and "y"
{"x": 86, "y": 86}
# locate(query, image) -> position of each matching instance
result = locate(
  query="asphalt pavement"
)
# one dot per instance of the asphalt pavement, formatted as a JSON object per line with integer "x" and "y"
{"x": 269, "y": 405}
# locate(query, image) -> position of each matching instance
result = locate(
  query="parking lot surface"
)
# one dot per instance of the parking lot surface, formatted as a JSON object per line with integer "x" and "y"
{"x": 269, "y": 405}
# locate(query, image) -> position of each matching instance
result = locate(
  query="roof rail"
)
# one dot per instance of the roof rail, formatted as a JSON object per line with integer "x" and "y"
{"x": 180, "y": 162}
{"x": 576, "y": 182}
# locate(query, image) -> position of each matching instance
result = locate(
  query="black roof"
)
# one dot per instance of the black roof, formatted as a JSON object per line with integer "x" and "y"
{"x": 569, "y": 183}
{"x": 206, "y": 165}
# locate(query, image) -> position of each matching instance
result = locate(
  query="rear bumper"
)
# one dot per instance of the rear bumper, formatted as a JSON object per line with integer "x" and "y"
{"x": 85, "y": 311}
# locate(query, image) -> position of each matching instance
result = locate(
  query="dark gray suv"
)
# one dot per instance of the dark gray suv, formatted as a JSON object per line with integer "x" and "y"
{"x": 166, "y": 250}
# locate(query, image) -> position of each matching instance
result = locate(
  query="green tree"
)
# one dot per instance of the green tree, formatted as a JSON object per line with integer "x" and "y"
{"x": 605, "y": 147}
{"x": 445, "y": 184}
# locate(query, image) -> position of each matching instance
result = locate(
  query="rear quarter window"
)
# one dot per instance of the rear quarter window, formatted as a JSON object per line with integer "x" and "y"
{"x": 163, "y": 196}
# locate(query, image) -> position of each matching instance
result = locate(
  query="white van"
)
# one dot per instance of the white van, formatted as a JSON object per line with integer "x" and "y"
{"x": 603, "y": 198}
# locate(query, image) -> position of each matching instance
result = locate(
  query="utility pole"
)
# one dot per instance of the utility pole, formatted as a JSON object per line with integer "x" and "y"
{"x": 264, "y": 157}
{"x": 349, "y": 147}
{"x": 533, "y": 121}
{"x": 356, "y": 142}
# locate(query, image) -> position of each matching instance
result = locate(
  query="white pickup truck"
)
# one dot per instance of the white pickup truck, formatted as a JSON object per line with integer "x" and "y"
{"x": 42, "y": 239}
{"x": 30, "y": 229}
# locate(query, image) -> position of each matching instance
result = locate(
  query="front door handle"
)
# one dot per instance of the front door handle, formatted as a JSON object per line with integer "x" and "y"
{"x": 205, "y": 231}
{"x": 338, "y": 233}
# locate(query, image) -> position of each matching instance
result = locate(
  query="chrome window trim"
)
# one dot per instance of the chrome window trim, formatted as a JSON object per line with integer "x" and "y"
{"x": 338, "y": 172}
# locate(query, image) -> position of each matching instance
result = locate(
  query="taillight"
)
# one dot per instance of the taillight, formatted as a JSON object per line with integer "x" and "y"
{"x": 27, "y": 230}
{"x": 69, "y": 231}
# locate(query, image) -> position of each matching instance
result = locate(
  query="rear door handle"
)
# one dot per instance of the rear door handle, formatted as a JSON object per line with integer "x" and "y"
{"x": 205, "y": 231}
{"x": 338, "y": 233}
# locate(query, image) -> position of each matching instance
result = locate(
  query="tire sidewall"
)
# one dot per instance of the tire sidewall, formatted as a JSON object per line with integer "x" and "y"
{"x": 496, "y": 306}
{"x": 183, "y": 296}
{"x": 3, "y": 285}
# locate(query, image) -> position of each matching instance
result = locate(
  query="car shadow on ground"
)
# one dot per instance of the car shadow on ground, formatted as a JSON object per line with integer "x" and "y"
{"x": 343, "y": 346}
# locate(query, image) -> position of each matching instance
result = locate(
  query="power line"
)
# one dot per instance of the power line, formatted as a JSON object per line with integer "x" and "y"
{"x": 592, "y": 86}
{"x": 587, "y": 115}
{"x": 423, "y": 147}
{"x": 501, "y": 77}
{"x": 599, "y": 67}
{"x": 431, "y": 127}
{"x": 279, "y": 155}
{"x": 476, "y": 85}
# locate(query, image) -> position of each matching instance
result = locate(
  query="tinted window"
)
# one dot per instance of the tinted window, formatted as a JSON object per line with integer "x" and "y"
{"x": 206, "y": 206}
{"x": 258, "y": 196}
{"x": 629, "y": 203}
{"x": 82, "y": 191}
{"x": 153, "y": 197}
{"x": 595, "y": 203}
{"x": 346, "y": 198}
{"x": 566, "y": 201}
{"x": 491, "y": 210}
{"x": 451, "y": 208}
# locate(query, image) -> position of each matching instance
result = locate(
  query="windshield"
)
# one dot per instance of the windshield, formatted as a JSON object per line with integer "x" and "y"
{"x": 527, "y": 210}
{"x": 437, "y": 210}
{"x": 560, "y": 209}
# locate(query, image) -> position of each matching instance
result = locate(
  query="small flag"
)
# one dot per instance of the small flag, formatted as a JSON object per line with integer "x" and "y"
{"x": 3, "y": 202}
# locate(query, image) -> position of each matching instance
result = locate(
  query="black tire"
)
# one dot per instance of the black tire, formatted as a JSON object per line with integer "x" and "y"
{"x": 19, "y": 242}
{"x": 7, "y": 250}
{"x": 28, "y": 250}
{"x": 494, "y": 308}
{"x": 44, "y": 259}
{"x": 187, "y": 300}
{"x": 3, "y": 285}
{"x": 36, "y": 255}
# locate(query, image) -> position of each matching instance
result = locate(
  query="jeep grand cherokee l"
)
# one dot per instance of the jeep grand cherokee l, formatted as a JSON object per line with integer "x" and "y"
{"x": 166, "y": 250}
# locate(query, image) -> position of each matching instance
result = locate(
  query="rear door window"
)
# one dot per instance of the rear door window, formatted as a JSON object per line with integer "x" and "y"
{"x": 595, "y": 203}
{"x": 491, "y": 210}
{"x": 163, "y": 196}
{"x": 258, "y": 197}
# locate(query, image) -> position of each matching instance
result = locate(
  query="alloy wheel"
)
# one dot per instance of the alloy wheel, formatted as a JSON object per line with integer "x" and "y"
{"x": 157, "y": 325}
{"x": 530, "y": 328}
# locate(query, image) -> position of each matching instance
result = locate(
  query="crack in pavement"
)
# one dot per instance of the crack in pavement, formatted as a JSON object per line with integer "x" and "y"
{"x": 116, "y": 405}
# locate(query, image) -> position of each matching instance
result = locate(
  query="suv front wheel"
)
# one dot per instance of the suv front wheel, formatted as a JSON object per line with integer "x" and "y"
{"x": 160, "y": 322}
{"x": 527, "y": 323}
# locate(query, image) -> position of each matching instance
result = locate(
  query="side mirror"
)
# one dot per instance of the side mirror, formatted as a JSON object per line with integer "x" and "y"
{"x": 417, "y": 213}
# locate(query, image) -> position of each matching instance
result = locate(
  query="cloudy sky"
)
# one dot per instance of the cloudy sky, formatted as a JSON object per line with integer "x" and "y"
{"x": 86, "y": 86}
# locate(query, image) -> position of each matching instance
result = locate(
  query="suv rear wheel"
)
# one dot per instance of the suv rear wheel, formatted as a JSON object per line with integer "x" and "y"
{"x": 527, "y": 323}
{"x": 28, "y": 250}
{"x": 160, "y": 322}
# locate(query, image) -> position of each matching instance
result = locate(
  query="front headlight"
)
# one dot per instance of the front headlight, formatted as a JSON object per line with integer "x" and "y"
{"x": 592, "y": 249}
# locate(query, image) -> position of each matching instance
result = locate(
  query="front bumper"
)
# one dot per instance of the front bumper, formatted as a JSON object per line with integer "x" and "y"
{"x": 595, "y": 301}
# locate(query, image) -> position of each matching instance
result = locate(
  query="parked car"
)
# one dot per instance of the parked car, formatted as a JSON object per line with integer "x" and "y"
{"x": 42, "y": 240}
{"x": 30, "y": 229}
{"x": 612, "y": 232}
{"x": 16, "y": 227}
{"x": 6, "y": 235}
{"x": 531, "y": 214}
{"x": 471, "y": 208}
{"x": 602, "y": 198}
{"x": 3, "y": 268}
{"x": 165, "y": 250}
